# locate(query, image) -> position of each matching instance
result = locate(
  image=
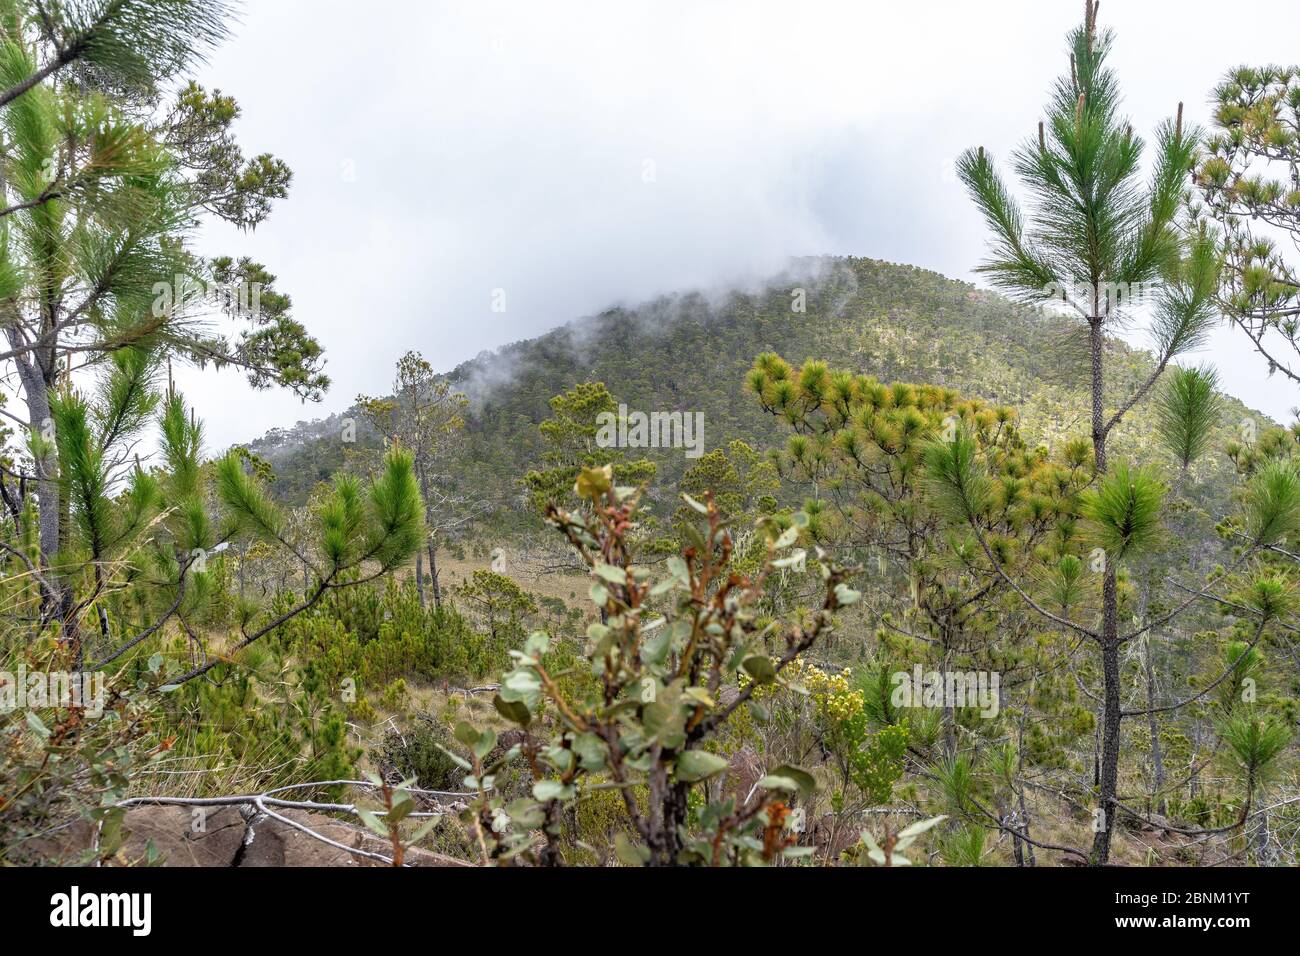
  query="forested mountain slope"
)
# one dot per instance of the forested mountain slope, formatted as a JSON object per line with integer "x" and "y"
{"x": 689, "y": 352}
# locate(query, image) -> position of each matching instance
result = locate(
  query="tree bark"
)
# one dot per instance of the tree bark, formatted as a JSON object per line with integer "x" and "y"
{"x": 1157, "y": 758}
{"x": 1111, "y": 715}
{"x": 1112, "y": 707}
{"x": 433, "y": 575}
{"x": 1020, "y": 770}
{"x": 36, "y": 383}
{"x": 47, "y": 477}
{"x": 419, "y": 576}
{"x": 948, "y": 716}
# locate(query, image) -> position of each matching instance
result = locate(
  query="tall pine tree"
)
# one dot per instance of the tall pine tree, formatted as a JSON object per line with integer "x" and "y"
{"x": 1098, "y": 239}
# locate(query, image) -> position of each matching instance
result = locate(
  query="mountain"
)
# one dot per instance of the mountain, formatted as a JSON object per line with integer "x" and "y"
{"x": 689, "y": 352}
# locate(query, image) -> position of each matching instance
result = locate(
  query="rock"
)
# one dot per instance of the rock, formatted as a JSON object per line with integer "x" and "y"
{"x": 219, "y": 836}
{"x": 181, "y": 836}
{"x": 278, "y": 844}
{"x": 184, "y": 836}
{"x": 1155, "y": 823}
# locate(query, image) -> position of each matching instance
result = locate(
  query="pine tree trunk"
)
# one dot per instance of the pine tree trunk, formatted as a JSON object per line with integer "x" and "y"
{"x": 100, "y": 611}
{"x": 1024, "y": 826}
{"x": 1193, "y": 768}
{"x": 1245, "y": 812}
{"x": 57, "y": 593}
{"x": 1096, "y": 751}
{"x": 1020, "y": 795}
{"x": 47, "y": 481}
{"x": 1157, "y": 758}
{"x": 433, "y": 575}
{"x": 419, "y": 576}
{"x": 1264, "y": 856}
{"x": 947, "y": 714}
{"x": 1112, "y": 707}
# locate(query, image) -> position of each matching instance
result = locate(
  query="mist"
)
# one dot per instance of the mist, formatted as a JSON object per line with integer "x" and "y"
{"x": 468, "y": 176}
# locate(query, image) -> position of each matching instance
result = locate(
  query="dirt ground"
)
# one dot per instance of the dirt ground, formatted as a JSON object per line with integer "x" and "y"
{"x": 568, "y": 587}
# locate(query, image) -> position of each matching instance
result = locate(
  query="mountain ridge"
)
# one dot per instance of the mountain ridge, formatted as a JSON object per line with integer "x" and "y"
{"x": 689, "y": 352}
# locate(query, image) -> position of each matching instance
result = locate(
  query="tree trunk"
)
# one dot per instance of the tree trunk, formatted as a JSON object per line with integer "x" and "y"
{"x": 100, "y": 610}
{"x": 419, "y": 576}
{"x": 1105, "y": 823}
{"x": 1157, "y": 758}
{"x": 1020, "y": 770}
{"x": 1112, "y": 707}
{"x": 1193, "y": 767}
{"x": 433, "y": 575}
{"x": 57, "y": 593}
{"x": 1245, "y": 812}
{"x": 47, "y": 478}
{"x": 1096, "y": 751}
{"x": 947, "y": 714}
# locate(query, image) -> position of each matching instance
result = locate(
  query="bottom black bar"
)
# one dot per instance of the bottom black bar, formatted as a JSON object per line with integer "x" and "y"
{"x": 365, "y": 906}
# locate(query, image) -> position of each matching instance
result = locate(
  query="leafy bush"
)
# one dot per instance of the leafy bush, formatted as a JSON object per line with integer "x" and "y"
{"x": 419, "y": 752}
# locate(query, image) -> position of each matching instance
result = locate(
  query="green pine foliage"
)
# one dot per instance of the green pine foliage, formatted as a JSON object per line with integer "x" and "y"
{"x": 1187, "y": 411}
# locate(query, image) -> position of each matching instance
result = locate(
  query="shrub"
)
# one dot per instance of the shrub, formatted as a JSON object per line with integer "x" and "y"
{"x": 419, "y": 752}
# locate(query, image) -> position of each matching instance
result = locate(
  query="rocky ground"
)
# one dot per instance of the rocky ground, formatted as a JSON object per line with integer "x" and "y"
{"x": 222, "y": 837}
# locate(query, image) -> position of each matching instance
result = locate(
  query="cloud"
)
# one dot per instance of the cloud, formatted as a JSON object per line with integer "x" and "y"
{"x": 575, "y": 155}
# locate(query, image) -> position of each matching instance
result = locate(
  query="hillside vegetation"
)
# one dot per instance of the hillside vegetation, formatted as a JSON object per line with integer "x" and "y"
{"x": 912, "y": 573}
{"x": 894, "y": 322}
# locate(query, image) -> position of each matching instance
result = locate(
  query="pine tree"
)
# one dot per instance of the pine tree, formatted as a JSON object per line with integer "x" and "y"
{"x": 868, "y": 451}
{"x": 98, "y": 199}
{"x": 1097, "y": 241}
{"x": 124, "y": 44}
{"x": 572, "y": 443}
{"x": 1249, "y": 184}
{"x": 140, "y": 548}
{"x": 424, "y": 416}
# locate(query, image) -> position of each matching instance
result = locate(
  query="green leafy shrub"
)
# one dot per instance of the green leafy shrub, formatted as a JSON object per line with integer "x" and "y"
{"x": 419, "y": 752}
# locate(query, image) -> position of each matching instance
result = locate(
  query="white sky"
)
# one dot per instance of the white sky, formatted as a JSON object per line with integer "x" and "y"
{"x": 443, "y": 150}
